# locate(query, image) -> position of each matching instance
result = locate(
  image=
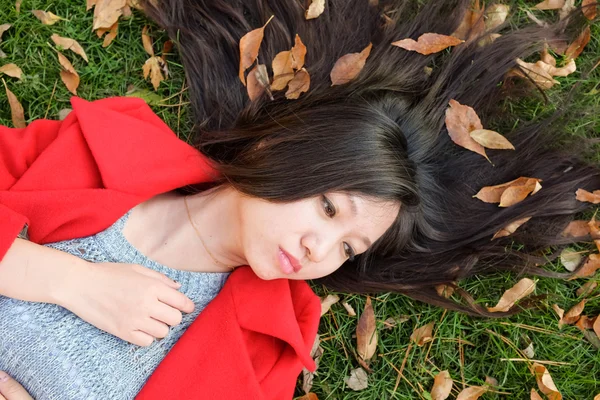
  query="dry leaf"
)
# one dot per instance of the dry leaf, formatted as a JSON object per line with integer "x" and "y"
{"x": 298, "y": 85}
{"x": 528, "y": 351}
{"x": 491, "y": 139}
{"x": 442, "y": 386}
{"x": 89, "y": 4}
{"x": 509, "y": 193}
{"x": 522, "y": 289}
{"x": 357, "y": 380}
{"x": 495, "y": 15}
{"x": 460, "y": 121}
{"x": 308, "y": 396}
{"x": 16, "y": 109}
{"x": 4, "y": 28}
{"x": 423, "y": 334}
{"x": 575, "y": 48}
{"x": 592, "y": 264}
{"x": 545, "y": 383}
{"x": 472, "y": 24}
{"x": 69, "y": 76}
{"x": 584, "y": 323}
{"x": 64, "y": 113}
{"x": 349, "y": 309}
{"x": 258, "y": 82}
{"x": 18, "y": 6}
{"x": 282, "y": 70}
{"x": 596, "y": 326}
{"x": 510, "y": 228}
{"x": 428, "y": 43}
{"x": 584, "y": 195}
{"x": 327, "y": 302}
{"x": 550, "y": 5}
{"x": 107, "y": 13}
{"x": 366, "y": 333}
{"x": 587, "y": 288}
{"x": 572, "y": 315}
{"x": 315, "y": 9}
{"x": 444, "y": 290}
{"x": 11, "y": 70}
{"x": 471, "y": 393}
{"x": 348, "y": 66}
{"x": 577, "y": 229}
{"x": 393, "y": 321}
{"x": 559, "y": 312}
{"x": 537, "y": 72}
{"x": 491, "y": 381}
{"x": 315, "y": 353}
{"x": 249, "y": 45}
{"x": 152, "y": 68}
{"x": 146, "y": 41}
{"x": 69, "y": 44}
{"x": 47, "y": 17}
{"x": 112, "y": 34}
{"x": 590, "y": 9}
{"x": 298, "y": 53}
{"x": 567, "y": 9}
{"x": 535, "y": 395}
{"x": 570, "y": 259}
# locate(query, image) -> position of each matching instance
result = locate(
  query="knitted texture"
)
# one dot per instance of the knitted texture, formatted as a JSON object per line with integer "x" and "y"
{"x": 56, "y": 355}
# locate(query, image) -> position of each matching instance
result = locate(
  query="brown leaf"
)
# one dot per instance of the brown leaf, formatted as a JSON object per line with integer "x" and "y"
{"x": 573, "y": 314}
{"x": 559, "y": 312}
{"x": 298, "y": 53}
{"x": 89, "y": 4}
{"x": 111, "y": 35}
{"x": 249, "y": 46}
{"x": 472, "y": 24}
{"x": 11, "y": 70}
{"x": 107, "y": 13}
{"x": 550, "y": 5}
{"x": 146, "y": 41}
{"x": 596, "y": 326}
{"x": 567, "y": 9}
{"x": 545, "y": 383}
{"x": 423, "y": 334}
{"x": 4, "y": 28}
{"x": 577, "y": 229}
{"x": 327, "y": 302}
{"x": 460, "y": 121}
{"x": 282, "y": 70}
{"x": 47, "y": 17}
{"x": 258, "y": 81}
{"x": 366, "y": 332}
{"x": 428, "y": 43}
{"x": 68, "y": 74}
{"x": 16, "y": 109}
{"x": 510, "y": 228}
{"x": 442, "y": 386}
{"x": 587, "y": 288}
{"x": 315, "y": 9}
{"x": 584, "y": 195}
{"x": 575, "y": 48}
{"x": 308, "y": 396}
{"x": 491, "y": 381}
{"x": 348, "y": 66}
{"x": 537, "y": 72}
{"x": 535, "y": 395}
{"x": 520, "y": 290}
{"x": 152, "y": 68}
{"x": 18, "y": 6}
{"x": 298, "y": 85}
{"x": 349, "y": 309}
{"x": 590, "y": 9}
{"x": 471, "y": 393}
{"x": 584, "y": 323}
{"x": 495, "y": 15}
{"x": 490, "y": 139}
{"x": 592, "y": 264}
{"x": 444, "y": 290}
{"x": 69, "y": 44}
{"x": 509, "y": 193}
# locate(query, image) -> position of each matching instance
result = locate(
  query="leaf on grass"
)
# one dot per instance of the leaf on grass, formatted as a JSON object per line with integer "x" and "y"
{"x": 249, "y": 46}
{"x": 89, "y": 4}
{"x": 298, "y": 85}
{"x": 4, "y": 28}
{"x": 69, "y": 44}
{"x": 391, "y": 322}
{"x": 423, "y": 334}
{"x": 315, "y": 353}
{"x": 575, "y": 48}
{"x": 150, "y": 97}
{"x": 584, "y": 323}
{"x": 528, "y": 351}
{"x": 112, "y": 34}
{"x": 491, "y": 381}
{"x": 596, "y": 326}
{"x": 567, "y": 9}
{"x": 587, "y": 288}
{"x": 590, "y": 9}
{"x": 545, "y": 383}
{"x": 107, "y": 13}
{"x": 444, "y": 290}
{"x": 490, "y": 139}
{"x": 460, "y": 121}
{"x": 550, "y": 5}
{"x": 520, "y": 290}
{"x": 428, "y": 43}
{"x": 18, "y": 6}
{"x": 11, "y": 70}
{"x": 327, "y": 302}
{"x": 535, "y": 395}
{"x": 146, "y": 41}
{"x": 584, "y": 195}
{"x": 570, "y": 259}
{"x": 495, "y": 15}
{"x": 472, "y": 24}
{"x": 69, "y": 76}
{"x": 357, "y": 380}
{"x": 16, "y": 109}
{"x": 47, "y": 17}
{"x": 308, "y": 396}
{"x": 537, "y": 72}
{"x": 315, "y": 9}
{"x": 366, "y": 333}
{"x": 152, "y": 67}
{"x": 509, "y": 193}
{"x": 442, "y": 386}
{"x": 348, "y": 66}
{"x": 592, "y": 264}
{"x": 572, "y": 315}
{"x": 510, "y": 228}
{"x": 64, "y": 113}
{"x": 577, "y": 229}
{"x": 471, "y": 393}
{"x": 559, "y": 312}
{"x": 349, "y": 309}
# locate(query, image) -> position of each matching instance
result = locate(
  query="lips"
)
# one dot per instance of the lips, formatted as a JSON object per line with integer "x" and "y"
{"x": 293, "y": 261}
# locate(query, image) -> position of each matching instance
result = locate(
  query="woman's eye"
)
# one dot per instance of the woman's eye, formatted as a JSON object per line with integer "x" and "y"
{"x": 329, "y": 209}
{"x": 351, "y": 253}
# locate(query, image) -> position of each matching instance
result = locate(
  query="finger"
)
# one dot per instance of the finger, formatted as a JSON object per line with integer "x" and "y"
{"x": 166, "y": 314}
{"x": 140, "y": 338}
{"x": 157, "y": 275}
{"x": 177, "y": 300}
{"x": 155, "y": 328}
{"x": 11, "y": 389}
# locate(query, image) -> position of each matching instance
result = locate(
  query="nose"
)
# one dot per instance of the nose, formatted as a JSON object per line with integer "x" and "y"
{"x": 318, "y": 247}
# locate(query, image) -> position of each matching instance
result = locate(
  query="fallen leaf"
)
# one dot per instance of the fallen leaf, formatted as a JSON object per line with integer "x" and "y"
{"x": 528, "y": 351}
{"x": 536, "y": 20}
{"x": 146, "y": 41}
{"x": 577, "y": 229}
{"x": 444, "y": 290}
{"x": 69, "y": 44}
{"x": 315, "y": 353}
{"x": 69, "y": 76}
{"x": 559, "y": 312}
{"x": 550, "y": 5}
{"x": 587, "y": 288}
{"x": 490, "y": 139}
{"x": 520, "y": 290}
{"x": 596, "y": 326}
{"x": 584, "y": 323}
{"x": 510, "y": 228}
{"x": 567, "y": 9}
{"x": 327, "y": 302}
{"x": 572, "y": 315}
{"x": 348, "y": 66}
{"x": 366, "y": 332}
{"x": 509, "y": 193}
{"x": 472, "y": 24}
{"x": 107, "y": 13}
{"x": 570, "y": 259}
{"x": 16, "y": 109}
{"x": 471, "y": 393}
{"x": 428, "y": 43}
{"x": 47, "y": 17}
{"x": 298, "y": 85}
{"x": 64, "y": 113}
{"x": 460, "y": 121}
{"x": 282, "y": 70}
{"x": 357, "y": 380}
{"x": 153, "y": 69}
{"x": 112, "y": 34}
{"x": 537, "y": 72}
{"x": 11, "y": 70}
{"x": 258, "y": 81}
{"x": 491, "y": 381}
{"x": 592, "y": 264}
{"x": 590, "y": 9}
{"x": 18, "y": 6}
{"x": 308, "y": 396}
{"x": 584, "y": 195}
{"x": 126, "y": 12}
{"x": 545, "y": 383}
{"x": 249, "y": 46}
{"x": 298, "y": 53}
{"x": 4, "y": 28}
{"x": 315, "y": 9}
{"x": 535, "y": 395}
{"x": 89, "y": 4}
{"x": 349, "y": 309}
{"x": 423, "y": 334}
{"x": 495, "y": 15}
{"x": 575, "y": 48}
{"x": 391, "y": 322}
{"x": 442, "y": 386}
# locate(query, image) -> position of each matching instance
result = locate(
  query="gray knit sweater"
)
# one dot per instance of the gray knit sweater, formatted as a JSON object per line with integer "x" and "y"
{"x": 56, "y": 355}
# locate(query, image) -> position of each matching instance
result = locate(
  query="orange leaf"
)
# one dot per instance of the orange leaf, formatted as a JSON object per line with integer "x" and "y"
{"x": 517, "y": 193}
{"x": 366, "y": 332}
{"x": 16, "y": 109}
{"x": 535, "y": 395}
{"x": 47, "y": 17}
{"x": 442, "y": 386}
{"x": 152, "y": 67}
{"x": 460, "y": 121}
{"x": 577, "y": 229}
{"x": 423, "y": 334}
{"x": 584, "y": 323}
{"x": 146, "y": 41}
{"x": 584, "y": 195}
{"x": 573, "y": 314}
{"x": 68, "y": 74}
{"x": 107, "y": 13}
{"x": 249, "y": 46}
{"x": 587, "y": 288}
{"x": 315, "y": 9}
{"x": 545, "y": 383}
{"x": 11, "y": 70}
{"x": 308, "y": 396}
{"x": 575, "y": 48}
{"x": 472, "y": 24}
{"x": 538, "y": 72}
{"x": 348, "y": 66}
{"x": 590, "y": 9}
{"x": 298, "y": 85}
{"x": 282, "y": 70}
{"x": 490, "y": 139}
{"x": 444, "y": 290}
{"x": 592, "y": 264}
{"x": 550, "y": 5}
{"x": 428, "y": 43}
{"x": 112, "y": 34}
{"x": 520, "y": 290}
{"x": 596, "y": 326}
{"x": 471, "y": 393}
{"x": 510, "y": 228}
{"x": 69, "y": 44}
{"x": 298, "y": 53}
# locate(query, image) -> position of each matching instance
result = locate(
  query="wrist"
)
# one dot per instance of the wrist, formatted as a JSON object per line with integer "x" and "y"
{"x": 67, "y": 282}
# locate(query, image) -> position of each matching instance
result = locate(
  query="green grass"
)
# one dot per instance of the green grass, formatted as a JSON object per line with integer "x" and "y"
{"x": 112, "y": 70}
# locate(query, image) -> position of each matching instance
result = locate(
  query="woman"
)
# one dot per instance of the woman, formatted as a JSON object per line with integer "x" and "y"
{"x": 289, "y": 173}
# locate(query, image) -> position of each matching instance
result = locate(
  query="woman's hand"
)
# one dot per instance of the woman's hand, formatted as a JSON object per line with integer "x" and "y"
{"x": 130, "y": 301}
{"x": 11, "y": 389}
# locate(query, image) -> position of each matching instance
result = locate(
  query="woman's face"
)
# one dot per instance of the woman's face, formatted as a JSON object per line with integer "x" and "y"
{"x": 320, "y": 232}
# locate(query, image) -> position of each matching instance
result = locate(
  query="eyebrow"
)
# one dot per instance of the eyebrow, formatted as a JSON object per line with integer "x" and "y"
{"x": 354, "y": 210}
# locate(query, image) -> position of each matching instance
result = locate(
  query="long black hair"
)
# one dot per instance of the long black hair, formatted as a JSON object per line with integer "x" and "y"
{"x": 381, "y": 135}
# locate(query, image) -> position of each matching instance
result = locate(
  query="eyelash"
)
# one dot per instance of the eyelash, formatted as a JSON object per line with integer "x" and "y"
{"x": 326, "y": 201}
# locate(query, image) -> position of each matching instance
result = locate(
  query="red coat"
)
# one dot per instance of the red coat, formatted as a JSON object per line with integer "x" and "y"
{"x": 74, "y": 178}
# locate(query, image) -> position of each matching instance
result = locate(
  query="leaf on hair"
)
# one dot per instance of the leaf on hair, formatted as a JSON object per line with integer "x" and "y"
{"x": 348, "y": 66}
{"x": 590, "y": 9}
{"x": 428, "y": 43}
{"x": 491, "y": 139}
{"x": 249, "y": 46}
{"x": 510, "y": 228}
{"x": 590, "y": 197}
{"x": 509, "y": 193}
{"x": 298, "y": 85}
{"x": 315, "y": 9}
{"x": 521, "y": 289}
{"x": 472, "y": 24}
{"x": 550, "y": 5}
{"x": 460, "y": 121}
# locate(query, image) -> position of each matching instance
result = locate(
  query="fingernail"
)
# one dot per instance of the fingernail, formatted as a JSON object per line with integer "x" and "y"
{"x": 3, "y": 377}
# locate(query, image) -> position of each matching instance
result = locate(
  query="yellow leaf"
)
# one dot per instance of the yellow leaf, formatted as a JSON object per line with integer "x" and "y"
{"x": 348, "y": 66}
{"x": 522, "y": 289}
{"x": 366, "y": 332}
{"x": 107, "y": 13}
{"x": 69, "y": 44}
{"x": 299, "y": 84}
{"x": 545, "y": 383}
{"x": 249, "y": 46}
{"x": 471, "y": 393}
{"x": 282, "y": 70}
{"x": 315, "y": 9}
{"x": 490, "y": 139}
{"x": 146, "y": 41}
{"x": 428, "y": 43}
{"x": 152, "y": 68}
{"x": 460, "y": 121}
{"x": 46, "y": 17}
{"x": 16, "y": 109}
{"x": 442, "y": 386}
{"x": 495, "y": 15}
{"x": 510, "y": 228}
{"x": 11, "y": 70}
{"x": 423, "y": 334}
{"x": 327, "y": 302}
